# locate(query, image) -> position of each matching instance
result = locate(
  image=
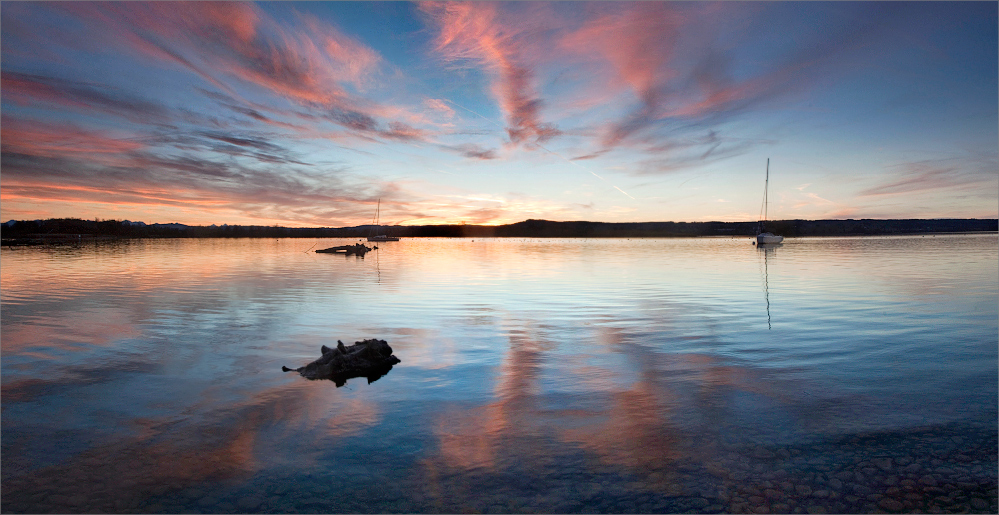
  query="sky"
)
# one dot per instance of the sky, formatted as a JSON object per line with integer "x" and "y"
{"x": 313, "y": 114}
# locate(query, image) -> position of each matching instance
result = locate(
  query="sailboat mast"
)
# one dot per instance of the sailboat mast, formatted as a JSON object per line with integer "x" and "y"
{"x": 766, "y": 191}
{"x": 376, "y": 220}
{"x": 762, "y": 235}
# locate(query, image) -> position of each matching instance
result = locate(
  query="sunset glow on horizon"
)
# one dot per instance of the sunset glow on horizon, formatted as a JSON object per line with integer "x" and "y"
{"x": 310, "y": 114}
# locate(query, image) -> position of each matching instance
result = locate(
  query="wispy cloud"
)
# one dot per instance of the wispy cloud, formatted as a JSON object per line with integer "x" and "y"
{"x": 439, "y": 106}
{"x": 478, "y": 32}
{"x": 471, "y": 150}
{"x": 312, "y": 65}
{"x": 32, "y": 137}
{"x": 197, "y": 171}
{"x": 938, "y": 175}
{"x": 684, "y": 153}
{"x": 639, "y": 43}
{"x": 812, "y": 199}
{"x": 32, "y": 90}
{"x": 218, "y": 40}
{"x": 682, "y": 81}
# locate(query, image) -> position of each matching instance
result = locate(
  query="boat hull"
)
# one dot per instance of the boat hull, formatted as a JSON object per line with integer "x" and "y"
{"x": 766, "y": 237}
{"x": 357, "y": 249}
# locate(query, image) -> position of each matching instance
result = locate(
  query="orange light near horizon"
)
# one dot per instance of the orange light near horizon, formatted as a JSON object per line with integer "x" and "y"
{"x": 456, "y": 221}
{"x": 21, "y": 191}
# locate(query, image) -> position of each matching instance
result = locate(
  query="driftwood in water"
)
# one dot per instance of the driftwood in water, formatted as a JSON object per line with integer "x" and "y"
{"x": 357, "y": 248}
{"x": 369, "y": 358}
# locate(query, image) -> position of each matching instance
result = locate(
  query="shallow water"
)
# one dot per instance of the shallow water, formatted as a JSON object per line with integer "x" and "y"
{"x": 568, "y": 375}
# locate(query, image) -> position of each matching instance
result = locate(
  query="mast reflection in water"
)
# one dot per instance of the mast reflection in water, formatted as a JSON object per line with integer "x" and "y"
{"x": 767, "y": 249}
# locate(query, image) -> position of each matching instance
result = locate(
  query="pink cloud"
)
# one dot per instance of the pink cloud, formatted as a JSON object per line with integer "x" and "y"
{"x": 477, "y": 32}
{"x": 471, "y": 150}
{"x": 23, "y": 136}
{"x": 647, "y": 48}
{"x": 402, "y": 131}
{"x": 33, "y": 90}
{"x": 308, "y": 64}
{"x": 644, "y": 48}
{"x": 439, "y": 106}
{"x": 25, "y": 89}
{"x": 69, "y": 165}
{"x": 675, "y": 76}
{"x": 639, "y": 41}
{"x": 351, "y": 60}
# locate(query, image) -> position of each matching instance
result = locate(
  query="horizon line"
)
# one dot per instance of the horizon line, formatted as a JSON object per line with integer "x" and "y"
{"x": 98, "y": 220}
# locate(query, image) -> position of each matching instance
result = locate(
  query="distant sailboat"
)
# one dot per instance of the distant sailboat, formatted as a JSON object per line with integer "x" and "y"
{"x": 378, "y": 219}
{"x": 763, "y": 237}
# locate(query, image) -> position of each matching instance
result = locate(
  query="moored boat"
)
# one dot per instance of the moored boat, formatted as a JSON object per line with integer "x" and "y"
{"x": 378, "y": 219}
{"x": 763, "y": 236}
{"x": 766, "y": 237}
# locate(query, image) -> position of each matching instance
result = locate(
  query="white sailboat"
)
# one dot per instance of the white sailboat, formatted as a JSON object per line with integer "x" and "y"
{"x": 378, "y": 219}
{"x": 762, "y": 236}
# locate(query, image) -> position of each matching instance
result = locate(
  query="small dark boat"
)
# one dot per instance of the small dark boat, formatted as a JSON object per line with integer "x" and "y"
{"x": 357, "y": 249}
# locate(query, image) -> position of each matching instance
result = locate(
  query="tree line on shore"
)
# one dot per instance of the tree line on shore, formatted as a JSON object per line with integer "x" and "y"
{"x": 62, "y": 228}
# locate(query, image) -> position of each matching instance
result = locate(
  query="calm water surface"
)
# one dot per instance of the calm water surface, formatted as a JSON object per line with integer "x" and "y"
{"x": 570, "y": 375}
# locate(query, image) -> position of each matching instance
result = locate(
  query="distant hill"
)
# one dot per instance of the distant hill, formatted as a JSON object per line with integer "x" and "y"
{"x": 68, "y": 228}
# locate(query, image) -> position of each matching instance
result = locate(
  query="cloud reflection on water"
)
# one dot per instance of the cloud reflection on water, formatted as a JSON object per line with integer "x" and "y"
{"x": 644, "y": 367}
{"x": 294, "y": 424}
{"x": 646, "y": 414}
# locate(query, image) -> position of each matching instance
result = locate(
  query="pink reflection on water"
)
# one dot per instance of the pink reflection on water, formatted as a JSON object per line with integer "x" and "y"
{"x": 647, "y": 415}
{"x": 99, "y": 328}
{"x": 471, "y": 439}
{"x": 217, "y": 443}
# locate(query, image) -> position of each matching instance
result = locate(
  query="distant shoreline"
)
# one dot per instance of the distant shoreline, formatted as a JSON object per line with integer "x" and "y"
{"x": 68, "y": 230}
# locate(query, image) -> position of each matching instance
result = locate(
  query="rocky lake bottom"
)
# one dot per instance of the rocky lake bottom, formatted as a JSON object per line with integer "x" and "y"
{"x": 937, "y": 470}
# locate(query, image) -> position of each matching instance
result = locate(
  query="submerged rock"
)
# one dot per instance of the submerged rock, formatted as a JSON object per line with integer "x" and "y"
{"x": 369, "y": 358}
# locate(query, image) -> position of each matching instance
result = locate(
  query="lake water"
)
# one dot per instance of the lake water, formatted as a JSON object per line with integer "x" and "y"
{"x": 537, "y": 375}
